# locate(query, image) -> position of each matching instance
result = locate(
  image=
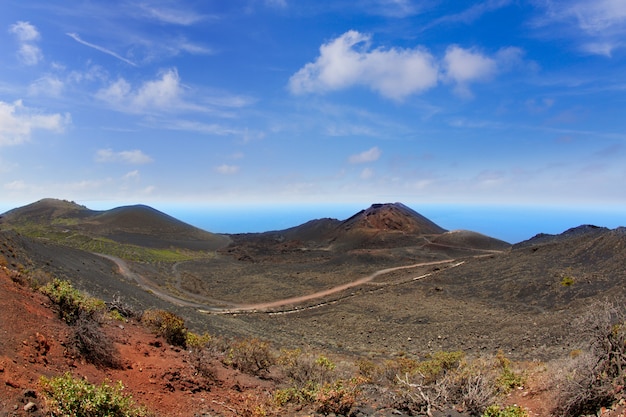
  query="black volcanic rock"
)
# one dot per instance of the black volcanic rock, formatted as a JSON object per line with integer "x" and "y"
{"x": 469, "y": 239}
{"x": 545, "y": 238}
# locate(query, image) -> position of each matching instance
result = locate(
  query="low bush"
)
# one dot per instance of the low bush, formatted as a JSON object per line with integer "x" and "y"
{"x": 168, "y": 325}
{"x": 595, "y": 377}
{"x": 122, "y": 308}
{"x": 302, "y": 369}
{"x": 338, "y": 397}
{"x": 93, "y": 344}
{"x": 251, "y": 356}
{"x": 70, "y": 397}
{"x": 509, "y": 411}
{"x": 71, "y": 302}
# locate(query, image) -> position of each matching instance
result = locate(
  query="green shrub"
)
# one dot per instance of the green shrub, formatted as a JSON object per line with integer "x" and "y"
{"x": 438, "y": 363}
{"x": 70, "y": 397}
{"x": 70, "y": 301}
{"x": 508, "y": 379}
{"x": 304, "y": 369}
{"x": 196, "y": 341}
{"x": 168, "y": 325}
{"x": 509, "y": 411}
{"x": 567, "y": 281}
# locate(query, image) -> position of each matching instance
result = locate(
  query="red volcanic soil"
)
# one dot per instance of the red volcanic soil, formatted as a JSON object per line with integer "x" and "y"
{"x": 158, "y": 376}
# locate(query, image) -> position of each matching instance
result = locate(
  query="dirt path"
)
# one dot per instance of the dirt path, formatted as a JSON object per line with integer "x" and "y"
{"x": 330, "y": 291}
{"x": 148, "y": 285}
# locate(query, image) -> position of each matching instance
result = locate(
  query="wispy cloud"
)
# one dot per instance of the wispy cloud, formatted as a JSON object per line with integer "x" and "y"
{"x": 172, "y": 16}
{"x": 472, "y": 13}
{"x": 598, "y": 27}
{"x": 276, "y": 3}
{"x": 18, "y": 122}
{"x": 226, "y": 169}
{"x": 29, "y": 53}
{"x": 48, "y": 85}
{"x": 134, "y": 157}
{"x": 370, "y": 155}
{"x": 100, "y": 48}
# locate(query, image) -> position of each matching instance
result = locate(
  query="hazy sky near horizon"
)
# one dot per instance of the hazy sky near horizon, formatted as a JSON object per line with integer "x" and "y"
{"x": 298, "y": 101}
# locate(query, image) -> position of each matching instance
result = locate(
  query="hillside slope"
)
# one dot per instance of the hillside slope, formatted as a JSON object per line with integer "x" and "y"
{"x": 136, "y": 225}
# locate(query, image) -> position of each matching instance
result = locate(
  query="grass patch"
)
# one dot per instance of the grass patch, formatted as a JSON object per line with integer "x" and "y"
{"x": 73, "y": 238}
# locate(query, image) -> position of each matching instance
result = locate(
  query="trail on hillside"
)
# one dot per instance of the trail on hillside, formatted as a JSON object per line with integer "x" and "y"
{"x": 148, "y": 285}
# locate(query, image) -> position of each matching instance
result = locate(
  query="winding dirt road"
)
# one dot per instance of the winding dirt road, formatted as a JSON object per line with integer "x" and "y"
{"x": 148, "y": 285}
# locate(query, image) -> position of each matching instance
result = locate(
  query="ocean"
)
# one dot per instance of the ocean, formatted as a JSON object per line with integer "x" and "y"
{"x": 512, "y": 224}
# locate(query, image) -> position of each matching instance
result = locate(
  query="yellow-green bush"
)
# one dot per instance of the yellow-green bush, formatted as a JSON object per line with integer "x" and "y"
{"x": 252, "y": 356}
{"x": 166, "y": 324}
{"x": 70, "y": 397}
{"x": 71, "y": 302}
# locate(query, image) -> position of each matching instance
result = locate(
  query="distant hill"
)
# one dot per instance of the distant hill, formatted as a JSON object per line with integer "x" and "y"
{"x": 467, "y": 238}
{"x": 138, "y": 225}
{"x": 381, "y": 226}
{"x": 391, "y": 217}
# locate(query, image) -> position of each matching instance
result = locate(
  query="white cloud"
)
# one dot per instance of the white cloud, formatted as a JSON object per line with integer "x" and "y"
{"x": 226, "y": 169}
{"x": 24, "y": 31}
{"x": 27, "y": 34}
{"x": 370, "y": 155}
{"x": 18, "y": 122}
{"x": 465, "y": 66}
{"x": 160, "y": 94}
{"x": 348, "y": 60}
{"x": 135, "y": 157}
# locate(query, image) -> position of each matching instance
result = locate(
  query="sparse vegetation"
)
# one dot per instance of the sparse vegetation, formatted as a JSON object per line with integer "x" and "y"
{"x": 509, "y": 411}
{"x": 93, "y": 344}
{"x": 70, "y": 301}
{"x": 252, "y": 356}
{"x": 70, "y": 397}
{"x": 166, "y": 324}
{"x": 595, "y": 377}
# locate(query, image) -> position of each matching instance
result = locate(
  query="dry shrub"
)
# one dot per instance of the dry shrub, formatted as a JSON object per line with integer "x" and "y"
{"x": 166, "y": 324}
{"x": 338, "y": 397}
{"x": 251, "y": 356}
{"x": 124, "y": 309}
{"x": 593, "y": 378}
{"x": 304, "y": 369}
{"x": 93, "y": 344}
{"x": 446, "y": 379}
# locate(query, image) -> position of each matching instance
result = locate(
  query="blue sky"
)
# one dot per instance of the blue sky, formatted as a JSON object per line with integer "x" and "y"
{"x": 244, "y": 102}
